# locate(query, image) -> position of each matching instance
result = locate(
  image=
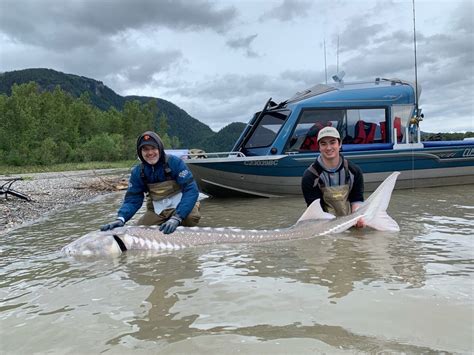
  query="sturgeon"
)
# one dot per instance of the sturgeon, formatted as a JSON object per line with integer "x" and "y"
{"x": 312, "y": 223}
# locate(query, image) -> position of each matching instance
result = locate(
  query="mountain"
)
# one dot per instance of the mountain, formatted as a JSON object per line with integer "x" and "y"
{"x": 179, "y": 121}
{"x": 100, "y": 95}
{"x": 224, "y": 140}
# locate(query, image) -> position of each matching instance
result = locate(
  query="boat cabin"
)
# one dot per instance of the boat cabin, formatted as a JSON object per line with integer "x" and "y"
{"x": 369, "y": 115}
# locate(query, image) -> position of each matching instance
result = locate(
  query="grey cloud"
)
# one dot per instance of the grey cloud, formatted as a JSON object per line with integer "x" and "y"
{"x": 386, "y": 59}
{"x": 252, "y": 54}
{"x": 288, "y": 10}
{"x": 457, "y": 47}
{"x": 399, "y": 37}
{"x": 445, "y": 63}
{"x": 464, "y": 17}
{"x": 69, "y": 24}
{"x": 357, "y": 34}
{"x": 141, "y": 71}
{"x": 243, "y": 43}
{"x": 230, "y": 98}
{"x": 224, "y": 88}
{"x": 118, "y": 66}
{"x": 305, "y": 78}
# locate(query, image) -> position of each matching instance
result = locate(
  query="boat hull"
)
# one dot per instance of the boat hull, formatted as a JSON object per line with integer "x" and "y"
{"x": 278, "y": 176}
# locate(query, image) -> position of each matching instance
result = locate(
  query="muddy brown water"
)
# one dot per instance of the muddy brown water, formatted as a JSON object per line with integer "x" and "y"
{"x": 360, "y": 291}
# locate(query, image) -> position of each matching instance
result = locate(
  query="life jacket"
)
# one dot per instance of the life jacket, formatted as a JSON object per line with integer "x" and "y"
{"x": 364, "y": 132}
{"x": 311, "y": 141}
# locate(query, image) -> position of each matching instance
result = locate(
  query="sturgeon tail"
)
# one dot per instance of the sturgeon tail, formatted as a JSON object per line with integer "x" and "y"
{"x": 374, "y": 209}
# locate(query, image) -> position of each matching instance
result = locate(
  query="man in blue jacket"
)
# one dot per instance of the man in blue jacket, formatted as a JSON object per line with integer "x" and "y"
{"x": 171, "y": 191}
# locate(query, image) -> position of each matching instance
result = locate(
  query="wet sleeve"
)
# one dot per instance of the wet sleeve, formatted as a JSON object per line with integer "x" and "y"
{"x": 189, "y": 188}
{"x": 310, "y": 193}
{"x": 133, "y": 199}
{"x": 357, "y": 192}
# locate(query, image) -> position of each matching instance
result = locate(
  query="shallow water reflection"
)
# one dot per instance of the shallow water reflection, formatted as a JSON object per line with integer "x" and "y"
{"x": 360, "y": 291}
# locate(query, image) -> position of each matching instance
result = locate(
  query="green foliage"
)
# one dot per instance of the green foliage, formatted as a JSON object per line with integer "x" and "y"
{"x": 446, "y": 136}
{"x": 97, "y": 95}
{"x": 103, "y": 146}
{"x": 46, "y": 153}
{"x": 224, "y": 140}
{"x": 44, "y": 128}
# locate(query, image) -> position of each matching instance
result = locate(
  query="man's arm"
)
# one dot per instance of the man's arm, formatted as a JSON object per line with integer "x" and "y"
{"x": 133, "y": 199}
{"x": 310, "y": 192}
{"x": 356, "y": 196}
{"x": 189, "y": 188}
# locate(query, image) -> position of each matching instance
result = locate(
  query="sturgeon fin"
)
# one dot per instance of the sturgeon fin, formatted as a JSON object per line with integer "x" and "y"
{"x": 383, "y": 222}
{"x": 314, "y": 211}
{"x": 375, "y": 207}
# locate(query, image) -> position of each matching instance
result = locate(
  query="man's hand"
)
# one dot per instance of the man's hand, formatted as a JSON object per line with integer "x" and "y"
{"x": 170, "y": 225}
{"x": 360, "y": 223}
{"x": 117, "y": 223}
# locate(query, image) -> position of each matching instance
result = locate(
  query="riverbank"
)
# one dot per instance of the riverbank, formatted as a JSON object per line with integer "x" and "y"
{"x": 51, "y": 192}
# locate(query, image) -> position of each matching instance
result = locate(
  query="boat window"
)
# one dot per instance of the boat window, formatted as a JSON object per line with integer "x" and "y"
{"x": 304, "y": 136}
{"x": 365, "y": 126}
{"x": 267, "y": 129}
{"x": 401, "y": 115}
{"x": 356, "y": 126}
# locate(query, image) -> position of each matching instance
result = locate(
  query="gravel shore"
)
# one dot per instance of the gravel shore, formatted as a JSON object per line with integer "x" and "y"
{"x": 50, "y": 192}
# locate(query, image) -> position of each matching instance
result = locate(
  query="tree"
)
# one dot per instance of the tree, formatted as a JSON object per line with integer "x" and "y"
{"x": 52, "y": 127}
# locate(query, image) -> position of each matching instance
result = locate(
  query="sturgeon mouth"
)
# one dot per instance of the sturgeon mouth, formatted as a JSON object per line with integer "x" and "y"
{"x": 120, "y": 243}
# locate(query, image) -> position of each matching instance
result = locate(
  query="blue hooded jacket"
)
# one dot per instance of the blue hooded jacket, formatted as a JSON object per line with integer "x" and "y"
{"x": 156, "y": 173}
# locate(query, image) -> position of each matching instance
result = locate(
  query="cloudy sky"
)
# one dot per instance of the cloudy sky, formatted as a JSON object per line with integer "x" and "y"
{"x": 221, "y": 60}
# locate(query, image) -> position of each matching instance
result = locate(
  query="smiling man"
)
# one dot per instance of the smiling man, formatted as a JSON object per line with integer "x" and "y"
{"x": 171, "y": 191}
{"x": 337, "y": 182}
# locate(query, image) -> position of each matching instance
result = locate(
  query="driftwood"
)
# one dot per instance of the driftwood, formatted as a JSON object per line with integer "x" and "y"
{"x": 6, "y": 189}
{"x": 106, "y": 183}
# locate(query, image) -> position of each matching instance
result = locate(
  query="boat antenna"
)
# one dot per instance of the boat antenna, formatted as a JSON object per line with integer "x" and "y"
{"x": 337, "y": 55}
{"x": 416, "y": 66}
{"x": 325, "y": 64}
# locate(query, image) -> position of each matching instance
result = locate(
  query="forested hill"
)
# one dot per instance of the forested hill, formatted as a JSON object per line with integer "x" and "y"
{"x": 191, "y": 132}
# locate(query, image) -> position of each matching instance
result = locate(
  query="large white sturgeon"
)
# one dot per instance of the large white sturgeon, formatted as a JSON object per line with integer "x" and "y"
{"x": 314, "y": 222}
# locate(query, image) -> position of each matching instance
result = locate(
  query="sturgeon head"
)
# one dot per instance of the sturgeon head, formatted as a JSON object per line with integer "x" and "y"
{"x": 93, "y": 243}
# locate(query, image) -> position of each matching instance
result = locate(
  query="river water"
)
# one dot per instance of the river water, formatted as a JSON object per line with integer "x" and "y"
{"x": 359, "y": 291}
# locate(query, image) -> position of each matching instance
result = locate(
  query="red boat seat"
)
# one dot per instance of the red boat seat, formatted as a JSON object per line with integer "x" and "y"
{"x": 311, "y": 140}
{"x": 364, "y": 132}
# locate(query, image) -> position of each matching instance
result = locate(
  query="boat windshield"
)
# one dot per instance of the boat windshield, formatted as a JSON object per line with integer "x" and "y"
{"x": 267, "y": 129}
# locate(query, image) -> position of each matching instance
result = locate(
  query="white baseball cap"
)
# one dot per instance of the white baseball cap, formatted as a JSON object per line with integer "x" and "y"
{"x": 328, "y": 132}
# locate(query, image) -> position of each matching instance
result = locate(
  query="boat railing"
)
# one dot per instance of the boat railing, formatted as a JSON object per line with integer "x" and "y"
{"x": 205, "y": 155}
{"x": 410, "y": 141}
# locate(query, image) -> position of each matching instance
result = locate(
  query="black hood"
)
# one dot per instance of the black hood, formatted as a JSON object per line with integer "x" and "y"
{"x": 153, "y": 139}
